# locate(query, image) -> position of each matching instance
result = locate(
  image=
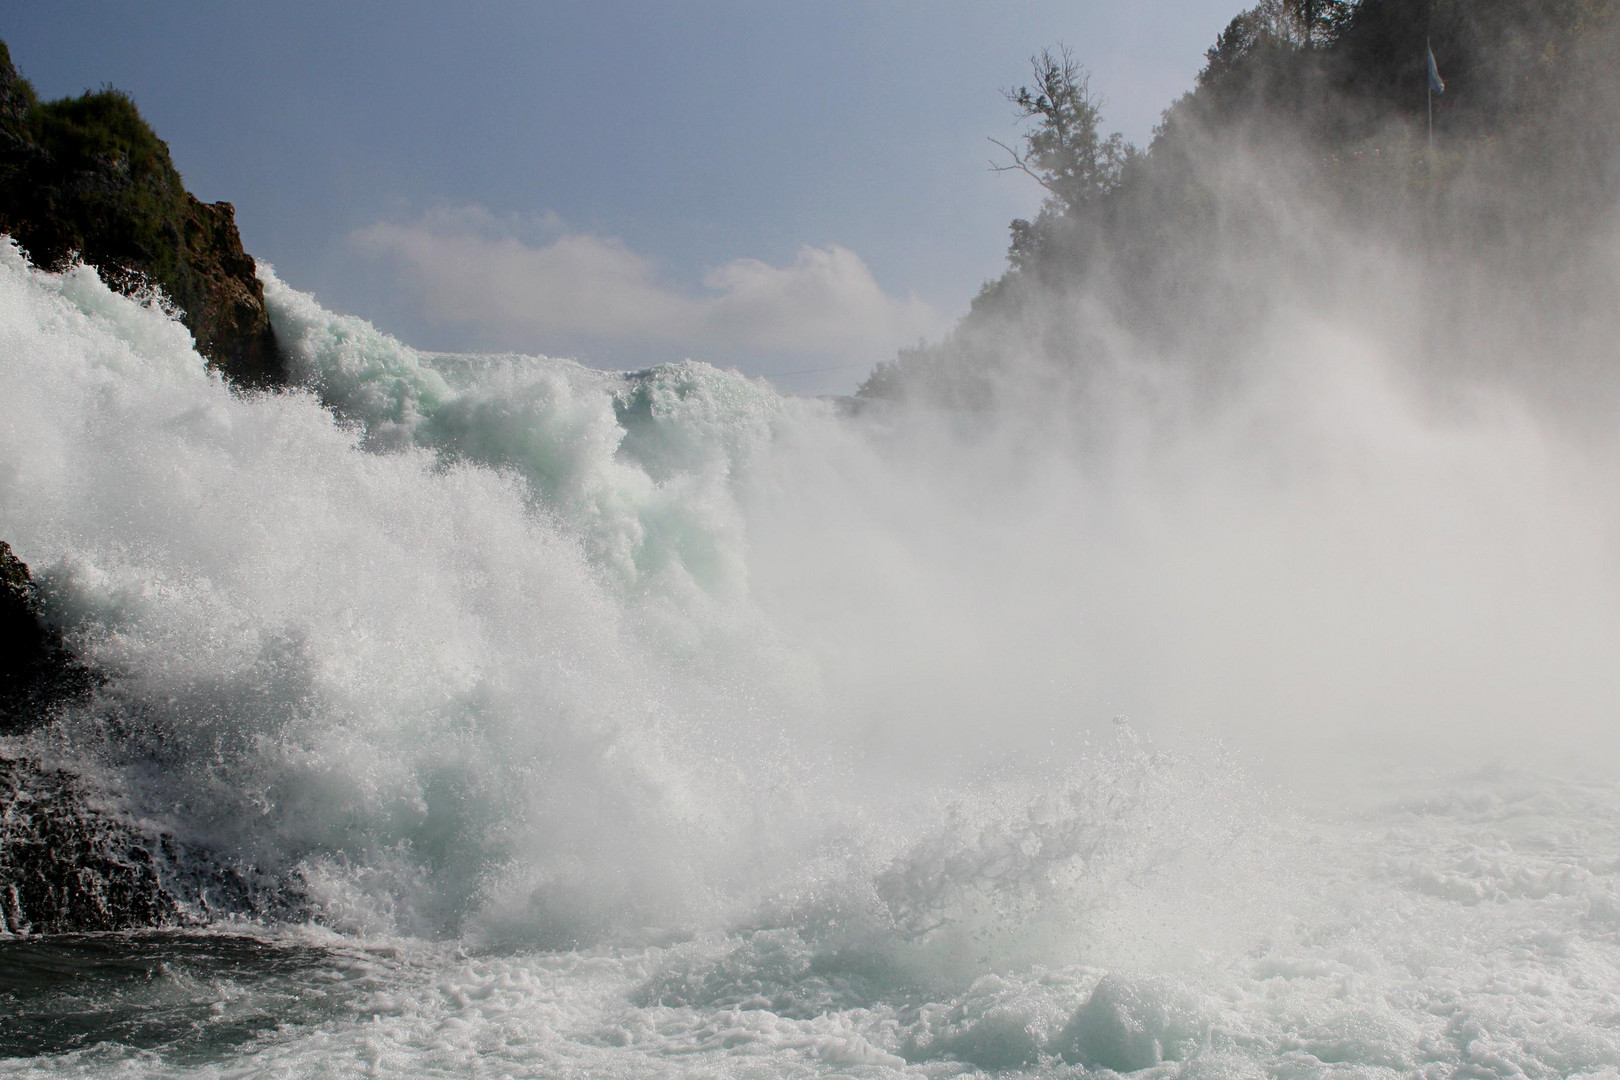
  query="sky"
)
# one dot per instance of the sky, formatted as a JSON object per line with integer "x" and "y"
{"x": 791, "y": 189}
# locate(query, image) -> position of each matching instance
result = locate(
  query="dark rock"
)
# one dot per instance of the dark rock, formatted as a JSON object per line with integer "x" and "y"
{"x": 63, "y": 865}
{"x": 231, "y": 325}
{"x": 86, "y": 177}
{"x": 73, "y": 861}
{"x": 37, "y": 673}
{"x": 70, "y": 859}
{"x": 67, "y": 866}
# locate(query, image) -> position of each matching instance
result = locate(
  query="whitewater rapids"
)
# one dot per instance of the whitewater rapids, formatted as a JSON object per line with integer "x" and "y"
{"x": 657, "y": 724}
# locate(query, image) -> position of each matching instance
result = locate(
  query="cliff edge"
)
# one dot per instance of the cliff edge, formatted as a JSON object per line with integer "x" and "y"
{"x": 86, "y": 177}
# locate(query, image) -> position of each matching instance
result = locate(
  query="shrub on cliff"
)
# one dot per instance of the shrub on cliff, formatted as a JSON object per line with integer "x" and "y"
{"x": 87, "y": 177}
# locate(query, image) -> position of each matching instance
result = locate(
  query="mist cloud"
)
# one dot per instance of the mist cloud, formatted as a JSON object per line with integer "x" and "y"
{"x": 470, "y": 268}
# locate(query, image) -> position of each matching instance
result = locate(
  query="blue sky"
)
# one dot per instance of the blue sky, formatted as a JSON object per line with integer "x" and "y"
{"x": 793, "y": 189}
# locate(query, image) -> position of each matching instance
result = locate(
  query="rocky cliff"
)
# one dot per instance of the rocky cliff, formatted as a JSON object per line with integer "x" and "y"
{"x": 37, "y": 672}
{"x": 72, "y": 858}
{"x": 86, "y": 177}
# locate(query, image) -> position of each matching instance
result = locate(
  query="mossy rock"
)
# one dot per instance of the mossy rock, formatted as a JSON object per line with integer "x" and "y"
{"x": 86, "y": 177}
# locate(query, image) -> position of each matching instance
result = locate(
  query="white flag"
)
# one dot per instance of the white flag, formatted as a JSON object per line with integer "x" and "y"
{"x": 1436, "y": 83}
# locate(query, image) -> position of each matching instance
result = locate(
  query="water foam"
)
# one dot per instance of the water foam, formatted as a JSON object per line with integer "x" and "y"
{"x": 363, "y": 666}
{"x": 785, "y": 738}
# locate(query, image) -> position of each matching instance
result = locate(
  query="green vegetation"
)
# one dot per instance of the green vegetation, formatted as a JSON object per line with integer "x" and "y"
{"x": 86, "y": 177}
{"x": 1065, "y": 153}
{"x": 1309, "y": 119}
{"x": 125, "y": 198}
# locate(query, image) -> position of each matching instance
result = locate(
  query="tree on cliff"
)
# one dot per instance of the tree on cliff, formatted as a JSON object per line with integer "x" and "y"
{"x": 1064, "y": 152}
{"x": 1323, "y": 100}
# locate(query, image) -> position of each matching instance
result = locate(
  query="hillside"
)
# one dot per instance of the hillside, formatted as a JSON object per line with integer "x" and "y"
{"x": 87, "y": 178}
{"x": 1303, "y": 154}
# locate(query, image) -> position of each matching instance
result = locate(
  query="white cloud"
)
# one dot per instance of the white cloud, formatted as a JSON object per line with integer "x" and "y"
{"x": 470, "y": 268}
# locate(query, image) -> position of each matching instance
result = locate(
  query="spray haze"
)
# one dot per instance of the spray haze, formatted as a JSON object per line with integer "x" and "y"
{"x": 1333, "y": 412}
{"x": 1005, "y": 715}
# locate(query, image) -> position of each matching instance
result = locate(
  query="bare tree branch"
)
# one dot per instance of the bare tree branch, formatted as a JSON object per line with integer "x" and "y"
{"x": 1018, "y": 165}
{"x": 1062, "y": 149}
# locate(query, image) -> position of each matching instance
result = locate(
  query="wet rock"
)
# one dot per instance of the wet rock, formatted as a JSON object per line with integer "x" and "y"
{"x": 66, "y": 865}
{"x": 37, "y": 673}
{"x": 71, "y": 859}
{"x": 87, "y": 178}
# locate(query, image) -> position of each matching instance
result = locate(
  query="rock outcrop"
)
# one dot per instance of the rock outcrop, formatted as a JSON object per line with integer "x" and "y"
{"x": 72, "y": 859}
{"x": 67, "y": 865}
{"x": 37, "y": 672}
{"x": 86, "y": 177}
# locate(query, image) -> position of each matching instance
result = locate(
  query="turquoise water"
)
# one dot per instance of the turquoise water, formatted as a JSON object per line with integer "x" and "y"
{"x": 1468, "y": 933}
{"x": 654, "y": 723}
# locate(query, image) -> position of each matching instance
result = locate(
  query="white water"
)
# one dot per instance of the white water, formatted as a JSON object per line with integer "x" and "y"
{"x": 657, "y": 724}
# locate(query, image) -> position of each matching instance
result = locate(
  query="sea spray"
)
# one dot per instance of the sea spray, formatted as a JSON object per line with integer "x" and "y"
{"x": 637, "y": 721}
{"x": 325, "y": 658}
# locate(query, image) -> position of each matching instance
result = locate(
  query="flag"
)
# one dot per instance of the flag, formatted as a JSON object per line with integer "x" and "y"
{"x": 1437, "y": 85}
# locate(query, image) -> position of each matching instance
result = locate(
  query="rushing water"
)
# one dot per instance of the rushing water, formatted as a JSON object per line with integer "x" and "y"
{"x": 656, "y": 724}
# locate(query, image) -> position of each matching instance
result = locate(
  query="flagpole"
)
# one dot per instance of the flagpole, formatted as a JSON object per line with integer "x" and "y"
{"x": 1428, "y": 74}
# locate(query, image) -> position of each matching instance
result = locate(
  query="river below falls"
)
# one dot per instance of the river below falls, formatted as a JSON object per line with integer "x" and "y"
{"x": 1470, "y": 927}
